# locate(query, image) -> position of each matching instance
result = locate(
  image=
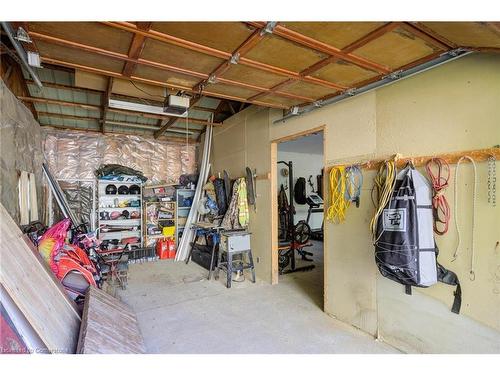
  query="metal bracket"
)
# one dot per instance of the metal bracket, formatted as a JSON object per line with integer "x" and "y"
{"x": 394, "y": 75}
{"x": 22, "y": 36}
{"x": 212, "y": 79}
{"x": 235, "y": 58}
{"x": 350, "y": 92}
{"x": 269, "y": 28}
{"x": 457, "y": 51}
{"x": 294, "y": 110}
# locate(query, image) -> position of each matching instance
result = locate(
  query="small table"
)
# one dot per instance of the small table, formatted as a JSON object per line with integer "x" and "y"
{"x": 206, "y": 229}
{"x": 236, "y": 242}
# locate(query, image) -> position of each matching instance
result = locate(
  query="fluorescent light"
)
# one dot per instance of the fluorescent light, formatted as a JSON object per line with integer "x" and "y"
{"x": 138, "y": 107}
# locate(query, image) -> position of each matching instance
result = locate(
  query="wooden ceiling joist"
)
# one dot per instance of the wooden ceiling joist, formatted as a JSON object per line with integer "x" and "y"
{"x": 136, "y": 47}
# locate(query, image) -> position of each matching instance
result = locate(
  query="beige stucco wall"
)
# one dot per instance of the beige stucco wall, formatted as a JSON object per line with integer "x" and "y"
{"x": 454, "y": 107}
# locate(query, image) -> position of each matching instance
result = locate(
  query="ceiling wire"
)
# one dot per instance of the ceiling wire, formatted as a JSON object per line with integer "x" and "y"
{"x": 145, "y": 92}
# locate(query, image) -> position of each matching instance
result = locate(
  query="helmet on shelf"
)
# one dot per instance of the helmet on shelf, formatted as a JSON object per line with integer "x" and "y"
{"x": 134, "y": 189}
{"x": 122, "y": 189}
{"x": 111, "y": 189}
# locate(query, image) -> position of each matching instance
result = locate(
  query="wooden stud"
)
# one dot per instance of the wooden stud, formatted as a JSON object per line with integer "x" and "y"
{"x": 274, "y": 214}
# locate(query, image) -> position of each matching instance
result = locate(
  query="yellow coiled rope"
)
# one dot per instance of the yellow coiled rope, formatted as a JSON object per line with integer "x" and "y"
{"x": 338, "y": 201}
{"x": 384, "y": 185}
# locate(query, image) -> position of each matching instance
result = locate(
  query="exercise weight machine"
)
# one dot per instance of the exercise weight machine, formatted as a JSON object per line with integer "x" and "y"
{"x": 292, "y": 237}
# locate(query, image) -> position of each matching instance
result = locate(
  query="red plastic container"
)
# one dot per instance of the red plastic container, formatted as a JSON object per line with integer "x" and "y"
{"x": 171, "y": 248}
{"x": 162, "y": 248}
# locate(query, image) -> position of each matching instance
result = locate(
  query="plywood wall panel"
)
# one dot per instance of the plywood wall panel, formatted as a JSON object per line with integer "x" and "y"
{"x": 281, "y": 100}
{"x": 276, "y": 51}
{"x": 308, "y": 89}
{"x": 91, "y": 33}
{"x": 396, "y": 49}
{"x": 165, "y": 76}
{"x": 180, "y": 57}
{"x": 472, "y": 34}
{"x": 79, "y": 57}
{"x": 253, "y": 76}
{"x": 337, "y": 34}
{"x": 344, "y": 73}
{"x": 231, "y": 90}
{"x": 225, "y": 36}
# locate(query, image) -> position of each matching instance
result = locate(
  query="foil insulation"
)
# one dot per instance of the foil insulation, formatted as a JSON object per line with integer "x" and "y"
{"x": 20, "y": 150}
{"x": 75, "y": 155}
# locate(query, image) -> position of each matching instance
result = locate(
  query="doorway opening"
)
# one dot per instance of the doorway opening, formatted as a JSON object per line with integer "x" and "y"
{"x": 298, "y": 212}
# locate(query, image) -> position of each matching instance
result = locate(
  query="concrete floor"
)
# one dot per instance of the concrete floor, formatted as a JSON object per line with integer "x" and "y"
{"x": 180, "y": 311}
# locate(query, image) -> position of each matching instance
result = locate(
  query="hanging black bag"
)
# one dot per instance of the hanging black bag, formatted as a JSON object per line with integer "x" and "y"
{"x": 299, "y": 191}
{"x": 405, "y": 250}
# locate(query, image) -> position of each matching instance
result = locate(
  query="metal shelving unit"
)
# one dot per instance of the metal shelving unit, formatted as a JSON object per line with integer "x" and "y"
{"x": 110, "y": 202}
{"x": 152, "y": 219}
{"x": 182, "y": 211}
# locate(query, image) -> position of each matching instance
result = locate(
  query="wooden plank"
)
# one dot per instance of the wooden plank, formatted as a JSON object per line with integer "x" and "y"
{"x": 274, "y": 214}
{"x": 419, "y": 161}
{"x": 108, "y": 326}
{"x": 56, "y": 281}
{"x": 34, "y": 292}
